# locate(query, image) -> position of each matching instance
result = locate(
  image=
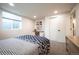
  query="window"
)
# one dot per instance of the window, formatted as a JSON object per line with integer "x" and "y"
{"x": 11, "y": 21}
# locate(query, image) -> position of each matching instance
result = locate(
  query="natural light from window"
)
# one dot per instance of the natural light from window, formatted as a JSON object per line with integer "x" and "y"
{"x": 11, "y": 21}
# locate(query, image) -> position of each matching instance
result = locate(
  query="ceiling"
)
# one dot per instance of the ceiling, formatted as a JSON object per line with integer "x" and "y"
{"x": 37, "y": 9}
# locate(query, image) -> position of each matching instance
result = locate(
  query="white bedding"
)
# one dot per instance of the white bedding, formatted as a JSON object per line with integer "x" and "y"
{"x": 18, "y": 47}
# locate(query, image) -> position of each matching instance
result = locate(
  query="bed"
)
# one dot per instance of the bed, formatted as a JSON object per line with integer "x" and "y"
{"x": 25, "y": 45}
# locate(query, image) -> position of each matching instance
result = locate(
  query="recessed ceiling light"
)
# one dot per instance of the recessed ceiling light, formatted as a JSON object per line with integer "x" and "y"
{"x": 55, "y": 12}
{"x": 11, "y": 4}
{"x": 34, "y": 16}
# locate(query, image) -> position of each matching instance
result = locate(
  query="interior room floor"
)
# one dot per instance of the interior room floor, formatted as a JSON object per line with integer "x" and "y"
{"x": 57, "y": 48}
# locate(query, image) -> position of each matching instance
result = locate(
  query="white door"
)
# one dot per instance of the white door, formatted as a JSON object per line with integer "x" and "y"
{"x": 57, "y": 29}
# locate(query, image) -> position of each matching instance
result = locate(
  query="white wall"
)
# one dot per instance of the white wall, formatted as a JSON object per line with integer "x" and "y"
{"x": 52, "y": 25}
{"x": 27, "y": 29}
{"x": 77, "y": 19}
{"x": 68, "y": 29}
{"x": 46, "y": 28}
{"x": 76, "y": 9}
{"x": 63, "y": 23}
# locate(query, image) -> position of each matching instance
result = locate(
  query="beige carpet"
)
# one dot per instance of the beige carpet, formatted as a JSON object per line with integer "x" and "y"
{"x": 57, "y": 48}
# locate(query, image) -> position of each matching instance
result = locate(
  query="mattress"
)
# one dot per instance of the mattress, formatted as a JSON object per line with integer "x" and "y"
{"x": 14, "y": 46}
{"x": 34, "y": 39}
{"x": 25, "y": 45}
{"x": 44, "y": 43}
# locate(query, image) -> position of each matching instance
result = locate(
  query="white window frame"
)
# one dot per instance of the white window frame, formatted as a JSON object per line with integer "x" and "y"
{"x": 18, "y": 18}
